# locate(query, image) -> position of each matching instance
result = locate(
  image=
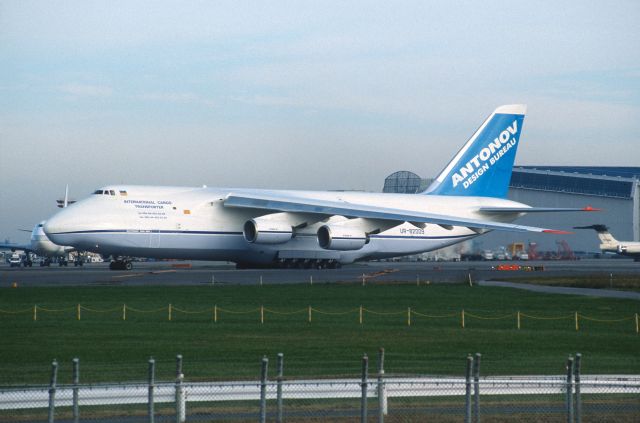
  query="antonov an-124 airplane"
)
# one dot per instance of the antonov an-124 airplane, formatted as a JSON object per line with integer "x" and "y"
{"x": 258, "y": 227}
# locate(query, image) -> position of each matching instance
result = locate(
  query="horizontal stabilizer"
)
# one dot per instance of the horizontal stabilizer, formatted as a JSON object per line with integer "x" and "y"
{"x": 535, "y": 209}
{"x": 597, "y": 228}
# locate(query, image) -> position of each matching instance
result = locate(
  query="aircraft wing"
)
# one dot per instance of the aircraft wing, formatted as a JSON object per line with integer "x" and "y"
{"x": 12, "y": 247}
{"x": 293, "y": 204}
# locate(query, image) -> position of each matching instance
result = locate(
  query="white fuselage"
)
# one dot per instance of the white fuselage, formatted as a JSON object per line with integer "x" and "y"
{"x": 193, "y": 223}
{"x": 42, "y": 245}
{"x": 625, "y": 248}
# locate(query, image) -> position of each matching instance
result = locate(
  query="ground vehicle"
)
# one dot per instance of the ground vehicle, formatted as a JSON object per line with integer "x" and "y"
{"x": 487, "y": 255}
{"x": 15, "y": 260}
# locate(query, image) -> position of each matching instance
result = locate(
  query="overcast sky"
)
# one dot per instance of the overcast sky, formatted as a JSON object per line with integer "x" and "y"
{"x": 302, "y": 95}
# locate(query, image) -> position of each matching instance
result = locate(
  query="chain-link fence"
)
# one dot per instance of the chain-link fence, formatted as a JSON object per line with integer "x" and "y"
{"x": 372, "y": 397}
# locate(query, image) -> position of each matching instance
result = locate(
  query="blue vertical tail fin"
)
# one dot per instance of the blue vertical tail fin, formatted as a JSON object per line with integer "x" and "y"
{"x": 483, "y": 165}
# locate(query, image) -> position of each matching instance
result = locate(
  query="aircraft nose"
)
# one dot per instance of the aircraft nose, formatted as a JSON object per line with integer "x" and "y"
{"x": 58, "y": 225}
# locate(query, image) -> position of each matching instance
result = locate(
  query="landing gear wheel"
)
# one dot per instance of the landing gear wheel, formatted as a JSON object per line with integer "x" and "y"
{"x": 128, "y": 265}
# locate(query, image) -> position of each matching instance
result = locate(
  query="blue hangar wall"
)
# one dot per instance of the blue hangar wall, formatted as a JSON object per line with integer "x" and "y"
{"x": 615, "y": 190}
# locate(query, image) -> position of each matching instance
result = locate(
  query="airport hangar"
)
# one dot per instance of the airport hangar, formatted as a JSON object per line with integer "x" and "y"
{"x": 615, "y": 190}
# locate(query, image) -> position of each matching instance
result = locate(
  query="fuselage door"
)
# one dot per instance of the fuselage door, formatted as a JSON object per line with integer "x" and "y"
{"x": 154, "y": 239}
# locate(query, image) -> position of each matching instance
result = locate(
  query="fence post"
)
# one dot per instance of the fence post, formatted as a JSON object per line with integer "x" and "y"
{"x": 578, "y": 401}
{"x": 152, "y": 381}
{"x": 35, "y": 313}
{"x": 309, "y": 314}
{"x": 215, "y": 313}
{"x": 78, "y": 311}
{"x": 52, "y": 390}
{"x": 280, "y": 376}
{"x": 637, "y": 323}
{"x": 76, "y": 382}
{"x": 181, "y": 412}
{"x": 467, "y": 393}
{"x": 364, "y": 385}
{"x": 462, "y": 314}
{"x": 263, "y": 390}
{"x": 169, "y": 312}
{"x": 569, "y": 394}
{"x": 124, "y": 312}
{"x": 577, "y": 325}
{"x": 360, "y": 314}
{"x": 476, "y": 387}
{"x": 518, "y": 319}
{"x": 261, "y": 314}
{"x": 409, "y": 316}
{"x": 382, "y": 392}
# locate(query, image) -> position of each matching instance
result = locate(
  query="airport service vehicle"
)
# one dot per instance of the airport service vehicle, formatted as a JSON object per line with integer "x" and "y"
{"x": 487, "y": 255}
{"x": 608, "y": 244}
{"x": 259, "y": 227}
{"x": 15, "y": 260}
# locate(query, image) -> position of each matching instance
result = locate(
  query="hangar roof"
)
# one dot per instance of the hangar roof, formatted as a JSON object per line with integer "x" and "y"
{"x": 404, "y": 182}
{"x": 623, "y": 172}
{"x": 601, "y": 181}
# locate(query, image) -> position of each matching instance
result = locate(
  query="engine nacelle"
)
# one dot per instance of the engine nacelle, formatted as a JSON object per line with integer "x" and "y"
{"x": 631, "y": 248}
{"x": 343, "y": 238}
{"x": 267, "y": 231}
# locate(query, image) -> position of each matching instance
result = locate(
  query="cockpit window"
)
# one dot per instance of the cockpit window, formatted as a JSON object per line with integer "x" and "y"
{"x": 99, "y": 191}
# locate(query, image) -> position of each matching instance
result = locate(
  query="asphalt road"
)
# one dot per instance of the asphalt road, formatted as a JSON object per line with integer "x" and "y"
{"x": 199, "y": 273}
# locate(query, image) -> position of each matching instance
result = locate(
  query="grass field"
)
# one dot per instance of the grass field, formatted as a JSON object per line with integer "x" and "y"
{"x": 112, "y": 349}
{"x": 596, "y": 281}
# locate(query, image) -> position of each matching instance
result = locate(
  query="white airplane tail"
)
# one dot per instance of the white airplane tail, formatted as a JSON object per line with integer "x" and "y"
{"x": 603, "y": 234}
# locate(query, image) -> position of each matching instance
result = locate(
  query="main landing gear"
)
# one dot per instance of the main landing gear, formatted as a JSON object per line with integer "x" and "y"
{"x": 308, "y": 264}
{"x": 293, "y": 264}
{"x": 121, "y": 264}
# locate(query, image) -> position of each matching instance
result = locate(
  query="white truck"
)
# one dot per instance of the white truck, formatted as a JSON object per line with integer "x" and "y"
{"x": 15, "y": 260}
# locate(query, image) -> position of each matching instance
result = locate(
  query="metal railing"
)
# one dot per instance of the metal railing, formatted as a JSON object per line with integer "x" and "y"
{"x": 564, "y": 398}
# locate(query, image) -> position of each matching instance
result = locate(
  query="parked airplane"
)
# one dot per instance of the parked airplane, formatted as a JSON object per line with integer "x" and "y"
{"x": 608, "y": 244}
{"x": 306, "y": 228}
{"x": 41, "y": 245}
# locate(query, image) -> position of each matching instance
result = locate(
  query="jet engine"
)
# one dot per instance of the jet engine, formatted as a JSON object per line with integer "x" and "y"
{"x": 343, "y": 238}
{"x": 631, "y": 248}
{"x": 267, "y": 231}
